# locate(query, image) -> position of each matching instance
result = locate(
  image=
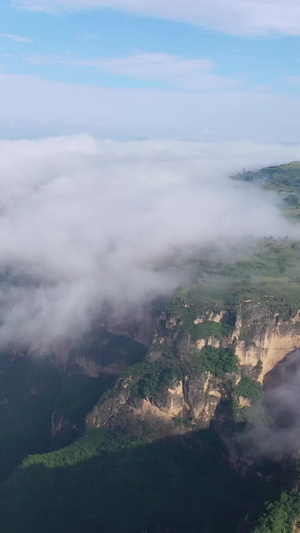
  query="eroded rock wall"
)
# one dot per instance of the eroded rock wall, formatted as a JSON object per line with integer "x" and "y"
{"x": 261, "y": 337}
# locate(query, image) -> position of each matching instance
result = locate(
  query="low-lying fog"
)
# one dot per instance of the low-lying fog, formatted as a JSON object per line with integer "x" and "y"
{"x": 84, "y": 222}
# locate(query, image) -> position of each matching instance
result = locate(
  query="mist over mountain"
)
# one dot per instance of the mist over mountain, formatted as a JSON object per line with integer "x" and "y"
{"x": 87, "y": 222}
{"x": 149, "y": 266}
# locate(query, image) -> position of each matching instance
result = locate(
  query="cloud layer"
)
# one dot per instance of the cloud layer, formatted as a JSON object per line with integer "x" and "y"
{"x": 246, "y": 17}
{"x": 86, "y": 222}
{"x": 174, "y": 70}
{"x": 134, "y": 113}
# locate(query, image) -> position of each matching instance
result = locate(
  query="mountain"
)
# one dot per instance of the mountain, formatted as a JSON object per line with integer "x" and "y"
{"x": 183, "y": 419}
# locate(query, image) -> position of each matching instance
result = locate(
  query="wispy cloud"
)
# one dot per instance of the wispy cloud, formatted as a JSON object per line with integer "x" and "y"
{"x": 246, "y": 17}
{"x": 16, "y": 38}
{"x": 173, "y": 70}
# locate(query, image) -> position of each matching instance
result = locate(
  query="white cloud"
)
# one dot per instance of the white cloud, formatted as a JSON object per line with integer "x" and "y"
{"x": 16, "y": 38}
{"x": 83, "y": 222}
{"x": 174, "y": 70}
{"x": 230, "y": 115}
{"x": 250, "y": 17}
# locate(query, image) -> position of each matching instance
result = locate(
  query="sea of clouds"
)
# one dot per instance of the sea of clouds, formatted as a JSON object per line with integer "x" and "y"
{"x": 85, "y": 222}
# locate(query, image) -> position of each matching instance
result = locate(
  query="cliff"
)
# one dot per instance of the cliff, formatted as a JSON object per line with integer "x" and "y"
{"x": 185, "y": 378}
{"x": 264, "y": 337}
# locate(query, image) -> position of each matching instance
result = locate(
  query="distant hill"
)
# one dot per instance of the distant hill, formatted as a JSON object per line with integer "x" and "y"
{"x": 283, "y": 179}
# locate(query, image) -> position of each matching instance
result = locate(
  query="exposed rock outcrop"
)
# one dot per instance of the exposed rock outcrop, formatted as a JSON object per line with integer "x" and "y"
{"x": 261, "y": 337}
{"x": 193, "y": 399}
{"x": 264, "y": 338}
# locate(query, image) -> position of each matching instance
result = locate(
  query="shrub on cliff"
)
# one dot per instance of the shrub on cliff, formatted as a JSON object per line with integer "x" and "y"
{"x": 280, "y": 516}
{"x": 249, "y": 388}
{"x": 218, "y": 361}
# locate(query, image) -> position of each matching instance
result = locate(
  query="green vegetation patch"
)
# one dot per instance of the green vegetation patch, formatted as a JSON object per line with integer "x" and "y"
{"x": 280, "y": 516}
{"x": 207, "y": 329}
{"x": 218, "y": 361}
{"x": 191, "y": 304}
{"x": 90, "y": 445}
{"x": 266, "y": 274}
{"x": 154, "y": 382}
{"x": 249, "y": 388}
{"x": 284, "y": 179}
{"x": 148, "y": 379}
{"x": 281, "y": 178}
{"x": 255, "y": 413}
{"x": 153, "y": 377}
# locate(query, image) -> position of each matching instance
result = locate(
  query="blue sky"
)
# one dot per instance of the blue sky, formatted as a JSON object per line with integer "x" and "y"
{"x": 130, "y": 68}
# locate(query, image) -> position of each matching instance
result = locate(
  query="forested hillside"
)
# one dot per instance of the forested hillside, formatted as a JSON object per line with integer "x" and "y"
{"x": 283, "y": 179}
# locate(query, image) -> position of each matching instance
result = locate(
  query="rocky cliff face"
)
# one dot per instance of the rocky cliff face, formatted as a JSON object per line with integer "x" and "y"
{"x": 261, "y": 338}
{"x": 187, "y": 402}
{"x": 264, "y": 338}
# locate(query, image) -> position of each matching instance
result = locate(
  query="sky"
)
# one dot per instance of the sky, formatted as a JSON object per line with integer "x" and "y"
{"x": 129, "y": 69}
